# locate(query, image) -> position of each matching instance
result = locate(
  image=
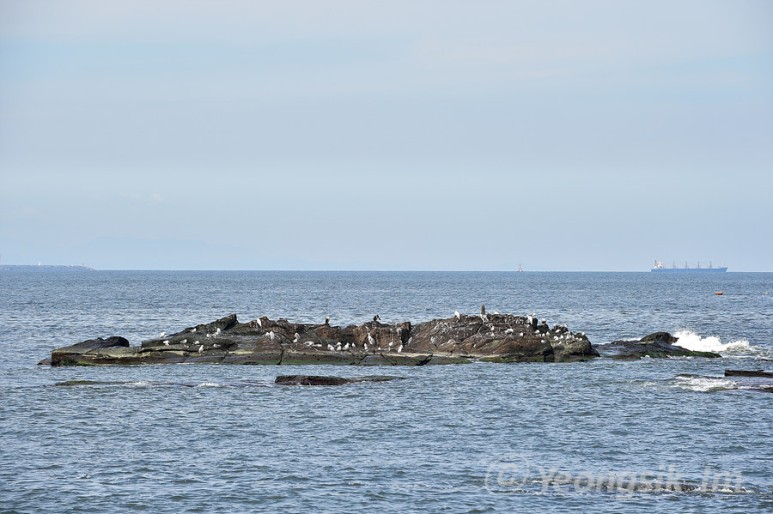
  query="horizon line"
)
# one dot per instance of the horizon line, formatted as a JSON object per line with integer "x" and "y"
{"x": 336, "y": 270}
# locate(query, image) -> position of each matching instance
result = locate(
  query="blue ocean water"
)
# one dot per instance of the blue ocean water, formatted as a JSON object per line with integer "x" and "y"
{"x": 602, "y": 436}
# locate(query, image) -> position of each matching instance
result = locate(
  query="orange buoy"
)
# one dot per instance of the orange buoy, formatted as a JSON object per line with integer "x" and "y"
{"x": 719, "y": 293}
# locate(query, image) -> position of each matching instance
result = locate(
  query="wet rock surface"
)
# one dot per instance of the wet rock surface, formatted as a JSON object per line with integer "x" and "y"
{"x": 755, "y": 379}
{"x": 748, "y": 373}
{"x": 328, "y": 380}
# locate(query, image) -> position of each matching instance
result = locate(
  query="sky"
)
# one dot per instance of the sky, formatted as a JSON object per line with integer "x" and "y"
{"x": 370, "y": 135}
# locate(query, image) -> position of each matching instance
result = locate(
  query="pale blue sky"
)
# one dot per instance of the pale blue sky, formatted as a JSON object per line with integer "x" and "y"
{"x": 450, "y": 135}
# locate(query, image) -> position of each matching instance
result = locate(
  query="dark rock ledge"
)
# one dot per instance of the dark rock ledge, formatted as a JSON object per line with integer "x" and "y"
{"x": 313, "y": 380}
{"x": 459, "y": 339}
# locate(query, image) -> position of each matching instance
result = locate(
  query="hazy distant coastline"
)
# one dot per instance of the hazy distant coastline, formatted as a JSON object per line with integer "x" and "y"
{"x": 43, "y": 267}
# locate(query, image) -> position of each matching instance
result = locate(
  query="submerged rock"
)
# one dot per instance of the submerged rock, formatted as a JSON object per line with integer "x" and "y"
{"x": 748, "y": 373}
{"x": 754, "y": 380}
{"x": 456, "y": 340}
{"x": 656, "y": 345}
{"x": 327, "y": 380}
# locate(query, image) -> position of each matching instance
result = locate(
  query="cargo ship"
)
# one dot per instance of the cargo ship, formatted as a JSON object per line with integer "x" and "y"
{"x": 660, "y": 268}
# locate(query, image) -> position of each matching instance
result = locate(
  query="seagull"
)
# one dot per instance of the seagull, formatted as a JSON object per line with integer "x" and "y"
{"x": 162, "y": 334}
{"x": 376, "y": 318}
{"x": 330, "y": 347}
{"x": 457, "y": 316}
{"x": 297, "y": 337}
{"x": 346, "y": 346}
{"x": 217, "y": 331}
{"x": 390, "y": 345}
{"x": 483, "y": 313}
{"x": 509, "y": 331}
{"x": 400, "y": 349}
{"x": 371, "y": 340}
{"x": 365, "y": 346}
{"x": 271, "y": 335}
{"x": 184, "y": 341}
{"x": 166, "y": 343}
{"x": 201, "y": 348}
{"x": 260, "y": 323}
{"x": 327, "y": 320}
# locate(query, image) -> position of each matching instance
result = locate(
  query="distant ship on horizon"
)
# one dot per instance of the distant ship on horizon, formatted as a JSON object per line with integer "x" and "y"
{"x": 659, "y": 267}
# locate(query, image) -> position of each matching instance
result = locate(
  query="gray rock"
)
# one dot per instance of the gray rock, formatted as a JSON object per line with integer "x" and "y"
{"x": 492, "y": 337}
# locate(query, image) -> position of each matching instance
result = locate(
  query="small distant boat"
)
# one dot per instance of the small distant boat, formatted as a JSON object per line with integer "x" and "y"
{"x": 660, "y": 268}
{"x": 520, "y": 269}
{"x": 719, "y": 293}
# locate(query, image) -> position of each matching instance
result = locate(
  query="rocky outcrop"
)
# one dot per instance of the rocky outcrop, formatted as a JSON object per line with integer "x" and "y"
{"x": 459, "y": 339}
{"x": 500, "y": 338}
{"x": 657, "y": 345}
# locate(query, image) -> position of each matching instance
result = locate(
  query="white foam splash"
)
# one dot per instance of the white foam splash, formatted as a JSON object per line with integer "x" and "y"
{"x": 209, "y": 384}
{"x": 692, "y": 341}
{"x": 140, "y": 383}
{"x": 704, "y": 384}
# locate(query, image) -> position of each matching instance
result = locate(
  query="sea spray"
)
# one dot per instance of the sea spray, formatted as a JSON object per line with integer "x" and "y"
{"x": 692, "y": 341}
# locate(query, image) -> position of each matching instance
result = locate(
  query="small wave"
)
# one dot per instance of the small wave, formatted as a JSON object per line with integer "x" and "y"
{"x": 139, "y": 383}
{"x": 692, "y": 341}
{"x": 209, "y": 384}
{"x": 704, "y": 384}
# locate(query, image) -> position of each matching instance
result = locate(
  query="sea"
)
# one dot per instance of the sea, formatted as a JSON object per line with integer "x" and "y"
{"x": 654, "y": 435}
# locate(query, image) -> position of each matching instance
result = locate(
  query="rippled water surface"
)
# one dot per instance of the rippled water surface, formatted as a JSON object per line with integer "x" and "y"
{"x": 603, "y": 436}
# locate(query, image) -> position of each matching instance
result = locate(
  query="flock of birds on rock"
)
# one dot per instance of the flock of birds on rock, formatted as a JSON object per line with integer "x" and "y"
{"x": 560, "y": 333}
